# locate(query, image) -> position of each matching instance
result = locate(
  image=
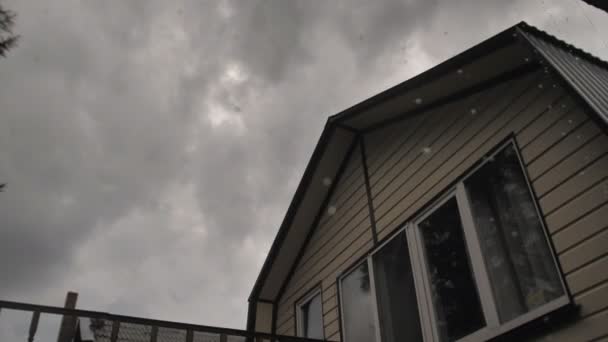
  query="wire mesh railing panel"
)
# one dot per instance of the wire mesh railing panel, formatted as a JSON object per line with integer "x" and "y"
{"x": 130, "y": 332}
{"x": 200, "y": 336}
{"x": 21, "y": 322}
{"x": 101, "y": 329}
{"x": 171, "y": 335}
{"x": 235, "y": 339}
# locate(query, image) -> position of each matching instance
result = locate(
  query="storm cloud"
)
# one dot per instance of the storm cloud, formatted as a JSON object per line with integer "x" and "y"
{"x": 151, "y": 148}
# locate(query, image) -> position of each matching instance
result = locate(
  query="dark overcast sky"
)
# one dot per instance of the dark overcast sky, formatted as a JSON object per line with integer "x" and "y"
{"x": 151, "y": 148}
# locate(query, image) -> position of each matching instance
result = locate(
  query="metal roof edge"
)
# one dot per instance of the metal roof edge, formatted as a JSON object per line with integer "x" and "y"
{"x": 562, "y": 44}
{"x": 526, "y": 29}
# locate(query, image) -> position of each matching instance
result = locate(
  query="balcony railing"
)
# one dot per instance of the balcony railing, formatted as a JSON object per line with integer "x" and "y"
{"x": 30, "y": 322}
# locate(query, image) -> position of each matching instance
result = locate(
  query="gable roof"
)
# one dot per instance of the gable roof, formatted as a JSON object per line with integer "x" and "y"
{"x": 517, "y": 49}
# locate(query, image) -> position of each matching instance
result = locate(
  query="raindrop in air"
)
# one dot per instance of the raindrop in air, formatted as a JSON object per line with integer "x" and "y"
{"x": 540, "y": 86}
{"x": 331, "y": 210}
{"x": 418, "y": 101}
{"x": 426, "y": 150}
{"x": 473, "y": 111}
{"x": 570, "y": 121}
{"x": 460, "y": 71}
{"x": 327, "y": 181}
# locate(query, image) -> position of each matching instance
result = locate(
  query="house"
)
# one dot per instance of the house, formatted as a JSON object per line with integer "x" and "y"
{"x": 469, "y": 203}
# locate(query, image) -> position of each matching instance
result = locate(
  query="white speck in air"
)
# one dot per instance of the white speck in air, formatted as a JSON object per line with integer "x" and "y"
{"x": 563, "y": 134}
{"x": 327, "y": 181}
{"x": 564, "y": 105}
{"x": 514, "y": 233}
{"x": 582, "y": 173}
{"x": 578, "y": 137}
{"x": 460, "y": 71}
{"x": 426, "y": 150}
{"x": 550, "y": 106}
{"x": 527, "y": 59}
{"x": 540, "y": 86}
{"x": 554, "y": 85}
{"x": 473, "y": 111}
{"x": 570, "y": 121}
{"x": 418, "y": 100}
{"x": 331, "y": 210}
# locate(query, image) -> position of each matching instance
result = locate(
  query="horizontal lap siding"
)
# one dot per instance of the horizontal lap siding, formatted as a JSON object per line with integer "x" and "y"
{"x": 411, "y": 161}
{"x": 337, "y": 241}
{"x": 564, "y": 152}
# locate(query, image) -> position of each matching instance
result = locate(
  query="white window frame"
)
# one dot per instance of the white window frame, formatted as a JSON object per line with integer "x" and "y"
{"x": 493, "y": 327}
{"x": 305, "y": 300}
{"x": 418, "y": 262}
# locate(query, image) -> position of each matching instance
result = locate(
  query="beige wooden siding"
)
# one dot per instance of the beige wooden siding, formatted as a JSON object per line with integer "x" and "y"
{"x": 336, "y": 243}
{"x": 412, "y": 161}
{"x": 565, "y": 153}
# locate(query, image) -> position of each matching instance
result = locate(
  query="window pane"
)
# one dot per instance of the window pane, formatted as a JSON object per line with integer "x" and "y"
{"x": 357, "y": 309}
{"x": 397, "y": 306}
{"x": 455, "y": 298}
{"x": 312, "y": 319}
{"x": 518, "y": 260}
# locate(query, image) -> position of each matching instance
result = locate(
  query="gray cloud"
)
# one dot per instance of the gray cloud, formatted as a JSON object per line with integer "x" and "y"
{"x": 151, "y": 148}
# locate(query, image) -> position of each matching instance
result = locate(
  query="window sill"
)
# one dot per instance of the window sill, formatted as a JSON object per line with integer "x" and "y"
{"x": 542, "y": 325}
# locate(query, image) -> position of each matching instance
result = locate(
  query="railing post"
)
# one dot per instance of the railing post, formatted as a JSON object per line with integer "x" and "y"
{"x": 189, "y": 335}
{"x": 223, "y": 338}
{"x": 33, "y": 326}
{"x": 68, "y": 323}
{"x": 154, "y": 333}
{"x": 115, "y": 328}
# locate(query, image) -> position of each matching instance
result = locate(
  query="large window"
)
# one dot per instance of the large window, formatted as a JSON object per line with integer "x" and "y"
{"x": 455, "y": 296}
{"x": 395, "y": 292}
{"x": 359, "y": 322}
{"x": 475, "y": 264}
{"x": 309, "y": 315}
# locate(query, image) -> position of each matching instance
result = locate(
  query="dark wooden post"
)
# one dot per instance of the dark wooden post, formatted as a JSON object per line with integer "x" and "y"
{"x": 68, "y": 323}
{"x": 33, "y": 326}
{"x": 154, "y": 333}
{"x": 115, "y": 328}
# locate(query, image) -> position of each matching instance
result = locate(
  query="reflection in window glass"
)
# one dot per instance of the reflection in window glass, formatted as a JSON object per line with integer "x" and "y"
{"x": 311, "y": 316}
{"x": 455, "y": 298}
{"x": 518, "y": 260}
{"x": 357, "y": 312}
{"x": 396, "y": 294}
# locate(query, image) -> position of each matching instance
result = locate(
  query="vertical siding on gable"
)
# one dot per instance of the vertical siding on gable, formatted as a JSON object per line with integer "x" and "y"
{"x": 337, "y": 241}
{"x": 564, "y": 152}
